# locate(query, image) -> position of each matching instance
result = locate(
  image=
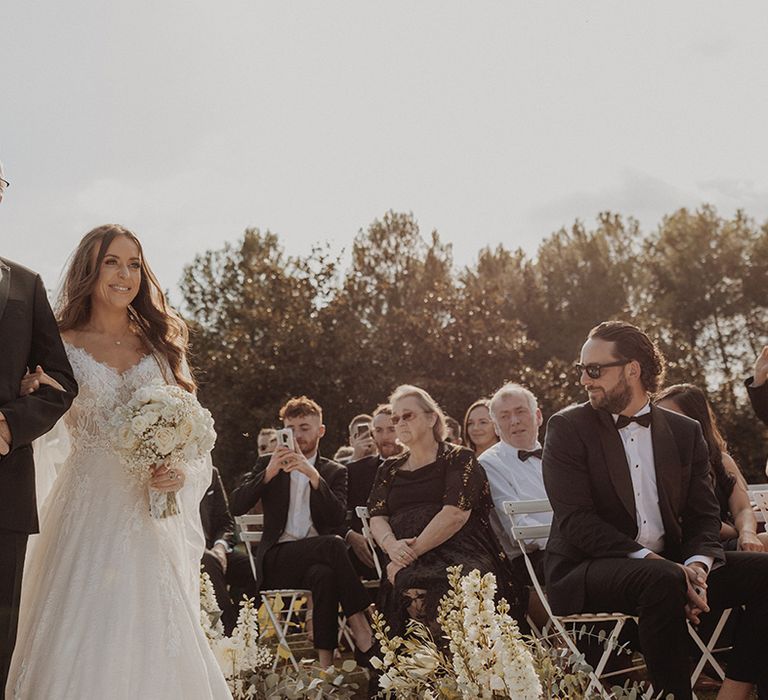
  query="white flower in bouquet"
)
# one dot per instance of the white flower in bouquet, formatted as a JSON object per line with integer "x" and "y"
{"x": 162, "y": 424}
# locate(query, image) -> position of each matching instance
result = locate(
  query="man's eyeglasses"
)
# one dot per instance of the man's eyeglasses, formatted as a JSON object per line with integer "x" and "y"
{"x": 594, "y": 370}
{"x": 406, "y": 417}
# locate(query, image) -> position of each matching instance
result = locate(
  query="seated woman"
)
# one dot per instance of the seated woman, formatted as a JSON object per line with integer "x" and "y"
{"x": 738, "y": 528}
{"x": 429, "y": 510}
{"x": 478, "y": 427}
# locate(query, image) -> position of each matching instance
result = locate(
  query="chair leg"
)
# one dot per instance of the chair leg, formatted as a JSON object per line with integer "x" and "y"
{"x": 280, "y": 632}
{"x": 706, "y": 650}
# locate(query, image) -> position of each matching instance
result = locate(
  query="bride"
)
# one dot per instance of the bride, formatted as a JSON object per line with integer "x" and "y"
{"x": 110, "y": 605}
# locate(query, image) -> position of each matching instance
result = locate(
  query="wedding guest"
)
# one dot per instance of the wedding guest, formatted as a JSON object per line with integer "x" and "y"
{"x": 453, "y": 431}
{"x": 738, "y": 525}
{"x": 361, "y": 437}
{"x": 429, "y": 510}
{"x": 513, "y": 468}
{"x": 266, "y": 441}
{"x": 636, "y": 523}
{"x": 361, "y": 473}
{"x": 513, "y": 465}
{"x": 478, "y": 427}
{"x": 229, "y": 569}
{"x": 29, "y": 337}
{"x": 757, "y": 388}
{"x": 304, "y": 497}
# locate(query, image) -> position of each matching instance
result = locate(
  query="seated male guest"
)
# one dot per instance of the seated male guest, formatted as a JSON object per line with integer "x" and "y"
{"x": 371, "y": 448}
{"x": 304, "y": 497}
{"x": 636, "y": 522}
{"x": 224, "y": 565}
{"x": 513, "y": 465}
{"x": 757, "y": 386}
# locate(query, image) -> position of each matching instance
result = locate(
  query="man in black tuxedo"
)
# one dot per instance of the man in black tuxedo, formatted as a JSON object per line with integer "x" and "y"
{"x": 29, "y": 337}
{"x": 757, "y": 386}
{"x": 636, "y": 523}
{"x": 304, "y": 497}
{"x": 229, "y": 569}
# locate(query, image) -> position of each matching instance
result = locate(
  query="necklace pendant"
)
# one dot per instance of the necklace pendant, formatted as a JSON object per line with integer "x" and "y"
{"x": 117, "y": 342}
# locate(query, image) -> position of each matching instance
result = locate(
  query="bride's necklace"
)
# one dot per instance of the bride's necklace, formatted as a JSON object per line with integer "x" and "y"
{"x": 119, "y": 340}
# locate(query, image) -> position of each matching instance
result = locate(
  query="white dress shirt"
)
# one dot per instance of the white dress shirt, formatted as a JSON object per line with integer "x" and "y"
{"x": 512, "y": 479}
{"x": 298, "y": 524}
{"x": 638, "y": 447}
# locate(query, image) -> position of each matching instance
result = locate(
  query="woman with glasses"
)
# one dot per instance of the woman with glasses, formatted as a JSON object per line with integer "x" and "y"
{"x": 429, "y": 510}
{"x": 478, "y": 427}
{"x": 738, "y": 526}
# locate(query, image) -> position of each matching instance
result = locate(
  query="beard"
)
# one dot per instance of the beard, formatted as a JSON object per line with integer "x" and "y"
{"x": 390, "y": 449}
{"x": 615, "y": 400}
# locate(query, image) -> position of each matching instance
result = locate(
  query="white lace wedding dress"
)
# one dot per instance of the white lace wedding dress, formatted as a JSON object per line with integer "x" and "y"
{"x": 110, "y": 604}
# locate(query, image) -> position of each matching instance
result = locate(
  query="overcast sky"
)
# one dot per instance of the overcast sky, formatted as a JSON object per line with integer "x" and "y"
{"x": 493, "y": 122}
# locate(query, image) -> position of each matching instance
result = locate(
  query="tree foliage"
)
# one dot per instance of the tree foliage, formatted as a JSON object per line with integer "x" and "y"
{"x": 268, "y": 325}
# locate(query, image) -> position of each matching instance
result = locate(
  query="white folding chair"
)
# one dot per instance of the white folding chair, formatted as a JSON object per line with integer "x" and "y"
{"x": 521, "y": 533}
{"x": 282, "y": 619}
{"x": 528, "y": 532}
{"x": 758, "y": 497}
{"x": 362, "y": 513}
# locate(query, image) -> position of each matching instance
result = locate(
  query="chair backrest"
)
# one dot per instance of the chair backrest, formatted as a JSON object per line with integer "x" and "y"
{"x": 362, "y": 513}
{"x": 527, "y": 532}
{"x": 759, "y": 497}
{"x": 520, "y": 533}
{"x": 250, "y": 530}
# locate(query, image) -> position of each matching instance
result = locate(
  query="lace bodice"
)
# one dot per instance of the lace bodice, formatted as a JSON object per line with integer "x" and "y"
{"x": 101, "y": 389}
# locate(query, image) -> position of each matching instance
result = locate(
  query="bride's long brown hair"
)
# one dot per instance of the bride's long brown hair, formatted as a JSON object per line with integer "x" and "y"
{"x": 161, "y": 328}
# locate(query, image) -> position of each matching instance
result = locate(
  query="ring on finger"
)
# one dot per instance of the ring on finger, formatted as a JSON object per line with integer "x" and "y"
{"x": 172, "y": 473}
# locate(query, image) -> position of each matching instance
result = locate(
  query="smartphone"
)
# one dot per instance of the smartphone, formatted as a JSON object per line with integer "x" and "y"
{"x": 362, "y": 430}
{"x": 285, "y": 438}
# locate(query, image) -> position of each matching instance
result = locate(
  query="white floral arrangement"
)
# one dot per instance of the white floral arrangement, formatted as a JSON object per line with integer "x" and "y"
{"x": 488, "y": 656}
{"x": 161, "y": 424}
{"x": 243, "y": 661}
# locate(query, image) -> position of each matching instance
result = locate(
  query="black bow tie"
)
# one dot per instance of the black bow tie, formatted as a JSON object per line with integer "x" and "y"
{"x": 624, "y": 421}
{"x": 524, "y": 454}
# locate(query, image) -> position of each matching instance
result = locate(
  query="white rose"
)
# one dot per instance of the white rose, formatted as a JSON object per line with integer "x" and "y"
{"x": 185, "y": 430}
{"x": 139, "y": 424}
{"x": 164, "y": 440}
{"x": 125, "y": 437}
{"x": 151, "y": 416}
{"x": 142, "y": 395}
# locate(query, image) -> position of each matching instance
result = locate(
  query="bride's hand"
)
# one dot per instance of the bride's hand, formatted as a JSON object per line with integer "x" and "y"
{"x": 165, "y": 479}
{"x": 32, "y": 381}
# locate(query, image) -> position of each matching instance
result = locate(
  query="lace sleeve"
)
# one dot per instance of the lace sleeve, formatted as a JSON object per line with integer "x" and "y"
{"x": 377, "y": 500}
{"x": 465, "y": 486}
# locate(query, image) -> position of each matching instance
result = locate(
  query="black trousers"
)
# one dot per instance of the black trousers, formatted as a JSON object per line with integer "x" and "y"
{"x": 13, "y": 548}
{"x": 321, "y": 565}
{"x": 654, "y": 590}
{"x": 230, "y": 587}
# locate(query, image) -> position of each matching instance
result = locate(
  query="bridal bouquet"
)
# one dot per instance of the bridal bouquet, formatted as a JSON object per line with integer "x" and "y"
{"x": 161, "y": 424}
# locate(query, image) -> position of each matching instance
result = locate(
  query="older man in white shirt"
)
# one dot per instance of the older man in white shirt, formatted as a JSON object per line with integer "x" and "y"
{"x": 513, "y": 465}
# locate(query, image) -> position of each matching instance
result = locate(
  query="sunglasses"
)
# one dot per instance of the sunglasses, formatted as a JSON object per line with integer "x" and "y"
{"x": 406, "y": 417}
{"x": 594, "y": 370}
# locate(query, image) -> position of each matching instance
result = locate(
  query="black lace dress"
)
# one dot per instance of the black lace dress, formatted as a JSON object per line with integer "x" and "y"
{"x": 410, "y": 499}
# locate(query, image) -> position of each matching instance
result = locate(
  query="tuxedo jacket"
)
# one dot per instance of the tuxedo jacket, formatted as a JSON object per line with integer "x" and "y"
{"x": 588, "y": 482}
{"x": 758, "y": 397}
{"x": 218, "y": 523}
{"x": 327, "y": 503}
{"x": 29, "y": 336}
